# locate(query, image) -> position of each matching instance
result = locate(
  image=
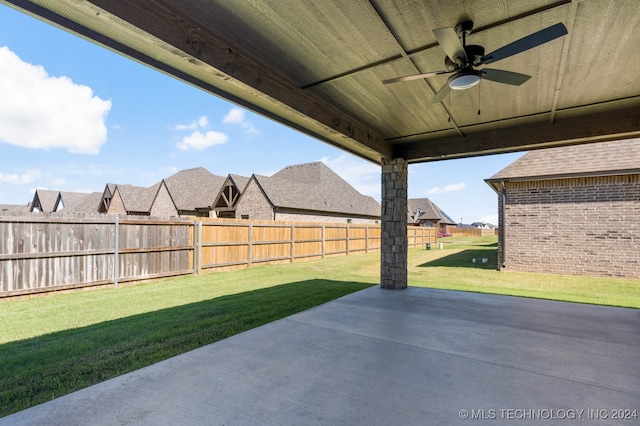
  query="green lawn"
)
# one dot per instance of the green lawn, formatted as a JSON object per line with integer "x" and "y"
{"x": 52, "y": 345}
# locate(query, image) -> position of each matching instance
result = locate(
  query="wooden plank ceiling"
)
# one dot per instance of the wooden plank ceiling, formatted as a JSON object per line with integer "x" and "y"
{"x": 317, "y": 66}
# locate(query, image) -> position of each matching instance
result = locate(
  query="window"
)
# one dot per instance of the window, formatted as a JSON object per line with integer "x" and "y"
{"x": 244, "y": 216}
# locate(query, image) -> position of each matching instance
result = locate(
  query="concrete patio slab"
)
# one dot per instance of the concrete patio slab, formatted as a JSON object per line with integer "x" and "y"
{"x": 381, "y": 357}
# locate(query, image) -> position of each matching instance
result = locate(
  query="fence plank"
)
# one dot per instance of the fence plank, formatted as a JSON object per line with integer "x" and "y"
{"x": 44, "y": 253}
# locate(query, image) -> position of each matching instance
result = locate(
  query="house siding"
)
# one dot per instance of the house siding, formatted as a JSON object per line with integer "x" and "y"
{"x": 254, "y": 203}
{"x": 576, "y": 226}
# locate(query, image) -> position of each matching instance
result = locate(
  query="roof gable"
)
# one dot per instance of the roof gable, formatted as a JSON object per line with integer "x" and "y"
{"x": 194, "y": 188}
{"x": 44, "y": 200}
{"x": 137, "y": 199}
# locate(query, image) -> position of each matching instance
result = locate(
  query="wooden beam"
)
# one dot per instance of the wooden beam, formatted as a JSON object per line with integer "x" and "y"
{"x": 622, "y": 124}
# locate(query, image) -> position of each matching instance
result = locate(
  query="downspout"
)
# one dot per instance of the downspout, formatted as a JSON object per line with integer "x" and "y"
{"x": 503, "y": 194}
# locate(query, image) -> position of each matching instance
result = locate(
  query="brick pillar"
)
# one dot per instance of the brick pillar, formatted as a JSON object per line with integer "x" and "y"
{"x": 393, "y": 253}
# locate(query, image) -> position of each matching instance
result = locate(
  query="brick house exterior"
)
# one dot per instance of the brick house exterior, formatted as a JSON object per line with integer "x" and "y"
{"x": 309, "y": 192}
{"x": 572, "y": 210}
{"x": 424, "y": 212}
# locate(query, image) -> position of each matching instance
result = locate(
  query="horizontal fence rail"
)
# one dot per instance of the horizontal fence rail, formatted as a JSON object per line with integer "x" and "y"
{"x": 40, "y": 254}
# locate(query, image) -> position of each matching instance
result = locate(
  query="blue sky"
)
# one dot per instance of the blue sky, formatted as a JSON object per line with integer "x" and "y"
{"x": 74, "y": 116}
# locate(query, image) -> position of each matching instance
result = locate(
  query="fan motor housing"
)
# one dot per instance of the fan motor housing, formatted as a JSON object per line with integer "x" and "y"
{"x": 474, "y": 53}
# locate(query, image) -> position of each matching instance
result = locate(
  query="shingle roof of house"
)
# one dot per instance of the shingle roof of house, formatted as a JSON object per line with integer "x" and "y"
{"x": 71, "y": 201}
{"x": 194, "y": 188}
{"x": 15, "y": 208}
{"x": 429, "y": 210}
{"x": 137, "y": 198}
{"x": 239, "y": 181}
{"x": 89, "y": 203}
{"x": 602, "y": 158}
{"x": 47, "y": 198}
{"x": 314, "y": 186}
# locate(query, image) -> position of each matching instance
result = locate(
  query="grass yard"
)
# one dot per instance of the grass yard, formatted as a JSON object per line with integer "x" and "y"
{"x": 53, "y": 345}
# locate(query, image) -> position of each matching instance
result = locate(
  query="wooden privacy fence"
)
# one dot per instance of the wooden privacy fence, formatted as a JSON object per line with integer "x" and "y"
{"x": 472, "y": 232}
{"x": 40, "y": 254}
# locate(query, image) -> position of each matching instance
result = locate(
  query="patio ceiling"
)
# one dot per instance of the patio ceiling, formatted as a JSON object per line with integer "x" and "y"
{"x": 317, "y": 66}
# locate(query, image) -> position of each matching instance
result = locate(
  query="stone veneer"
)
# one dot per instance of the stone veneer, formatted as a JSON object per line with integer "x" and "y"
{"x": 393, "y": 253}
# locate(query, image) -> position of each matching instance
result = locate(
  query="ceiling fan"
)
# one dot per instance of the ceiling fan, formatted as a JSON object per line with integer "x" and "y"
{"x": 461, "y": 59}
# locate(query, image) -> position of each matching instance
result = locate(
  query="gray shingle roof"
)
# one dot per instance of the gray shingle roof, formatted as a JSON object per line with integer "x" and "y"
{"x": 47, "y": 199}
{"x": 429, "y": 210}
{"x": 137, "y": 198}
{"x": 239, "y": 181}
{"x": 71, "y": 200}
{"x": 194, "y": 188}
{"x": 314, "y": 186}
{"x": 14, "y": 208}
{"x": 89, "y": 204}
{"x": 602, "y": 158}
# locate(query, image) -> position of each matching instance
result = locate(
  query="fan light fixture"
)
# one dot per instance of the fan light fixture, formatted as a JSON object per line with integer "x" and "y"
{"x": 464, "y": 80}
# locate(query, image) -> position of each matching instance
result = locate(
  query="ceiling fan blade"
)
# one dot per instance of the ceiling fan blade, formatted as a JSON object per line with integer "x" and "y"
{"x": 526, "y": 43}
{"x": 450, "y": 43}
{"x": 506, "y": 77}
{"x": 413, "y": 77}
{"x": 442, "y": 93}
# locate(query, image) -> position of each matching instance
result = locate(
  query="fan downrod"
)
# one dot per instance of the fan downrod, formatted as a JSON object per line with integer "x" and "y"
{"x": 464, "y": 28}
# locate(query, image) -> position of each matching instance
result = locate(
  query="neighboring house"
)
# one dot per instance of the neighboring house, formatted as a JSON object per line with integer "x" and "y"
{"x": 424, "y": 212}
{"x": 194, "y": 191}
{"x": 572, "y": 210}
{"x": 132, "y": 200}
{"x": 310, "y": 192}
{"x": 88, "y": 205}
{"x": 71, "y": 201}
{"x": 483, "y": 225}
{"x": 14, "y": 208}
{"x": 227, "y": 199}
{"x": 44, "y": 200}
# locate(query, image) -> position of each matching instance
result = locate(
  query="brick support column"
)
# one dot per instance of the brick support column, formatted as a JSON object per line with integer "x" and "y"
{"x": 393, "y": 253}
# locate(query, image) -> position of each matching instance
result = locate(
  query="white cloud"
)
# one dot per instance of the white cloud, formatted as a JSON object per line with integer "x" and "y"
{"x": 237, "y": 116}
{"x": 362, "y": 175}
{"x": 203, "y": 122}
{"x": 20, "y": 179}
{"x": 43, "y": 112}
{"x": 447, "y": 188}
{"x": 200, "y": 141}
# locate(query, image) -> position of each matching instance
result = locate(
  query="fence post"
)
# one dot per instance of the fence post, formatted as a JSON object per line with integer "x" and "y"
{"x": 196, "y": 254}
{"x": 324, "y": 241}
{"x": 348, "y": 239}
{"x": 116, "y": 243}
{"x": 293, "y": 230}
{"x": 250, "y": 247}
{"x": 366, "y": 238}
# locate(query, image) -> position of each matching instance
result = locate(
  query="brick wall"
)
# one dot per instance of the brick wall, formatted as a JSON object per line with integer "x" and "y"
{"x": 163, "y": 205}
{"x": 117, "y": 205}
{"x": 582, "y": 226}
{"x": 254, "y": 203}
